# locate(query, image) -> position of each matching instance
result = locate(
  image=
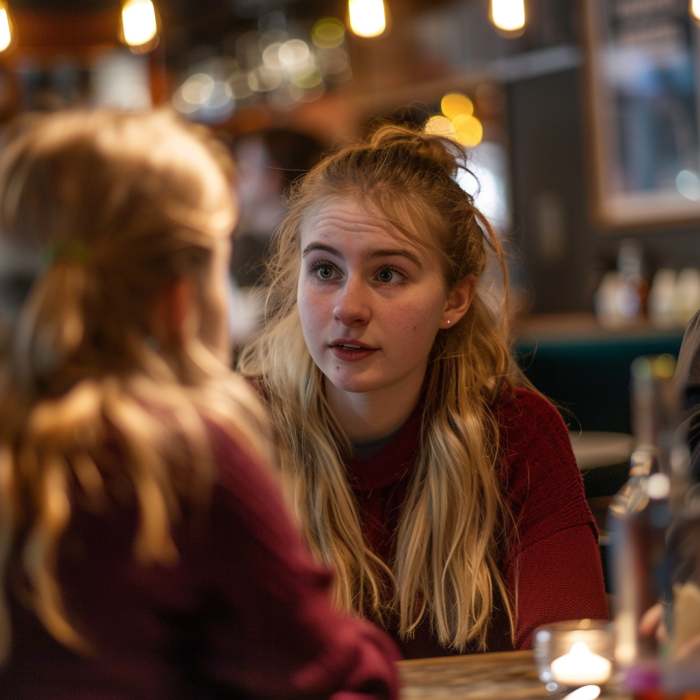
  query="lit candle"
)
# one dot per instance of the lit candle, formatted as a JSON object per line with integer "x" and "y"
{"x": 581, "y": 667}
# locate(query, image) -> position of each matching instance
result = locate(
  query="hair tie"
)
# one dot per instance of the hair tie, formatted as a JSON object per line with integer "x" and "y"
{"x": 69, "y": 251}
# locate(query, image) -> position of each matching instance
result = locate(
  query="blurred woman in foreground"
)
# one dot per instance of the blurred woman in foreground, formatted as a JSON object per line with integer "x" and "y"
{"x": 442, "y": 490}
{"x": 145, "y": 551}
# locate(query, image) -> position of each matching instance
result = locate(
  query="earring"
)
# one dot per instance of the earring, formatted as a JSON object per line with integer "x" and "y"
{"x": 449, "y": 322}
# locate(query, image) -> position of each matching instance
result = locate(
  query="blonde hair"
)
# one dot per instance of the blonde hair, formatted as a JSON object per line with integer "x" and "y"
{"x": 113, "y": 208}
{"x": 455, "y": 521}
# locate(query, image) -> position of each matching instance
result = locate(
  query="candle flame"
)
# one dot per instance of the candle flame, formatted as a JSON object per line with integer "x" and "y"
{"x": 581, "y": 667}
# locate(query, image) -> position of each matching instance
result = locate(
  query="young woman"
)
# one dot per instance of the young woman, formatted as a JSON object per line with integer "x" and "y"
{"x": 144, "y": 549}
{"x": 441, "y": 489}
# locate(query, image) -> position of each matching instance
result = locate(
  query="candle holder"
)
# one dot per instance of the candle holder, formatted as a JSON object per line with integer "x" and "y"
{"x": 575, "y": 653}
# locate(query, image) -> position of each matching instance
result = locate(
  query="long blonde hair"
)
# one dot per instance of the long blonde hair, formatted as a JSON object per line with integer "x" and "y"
{"x": 112, "y": 208}
{"x": 455, "y": 521}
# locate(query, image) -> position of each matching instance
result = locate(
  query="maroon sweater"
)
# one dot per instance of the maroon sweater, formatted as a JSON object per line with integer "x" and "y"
{"x": 560, "y": 575}
{"x": 245, "y": 613}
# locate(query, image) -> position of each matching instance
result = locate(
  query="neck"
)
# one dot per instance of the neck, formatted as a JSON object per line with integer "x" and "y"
{"x": 370, "y": 415}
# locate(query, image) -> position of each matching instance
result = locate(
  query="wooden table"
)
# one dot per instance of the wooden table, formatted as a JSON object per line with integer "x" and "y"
{"x": 509, "y": 675}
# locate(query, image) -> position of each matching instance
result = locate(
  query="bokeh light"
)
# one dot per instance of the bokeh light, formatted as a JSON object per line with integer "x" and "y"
{"x": 440, "y": 126}
{"x": 5, "y": 27}
{"x": 293, "y": 52}
{"x": 695, "y": 9}
{"x": 468, "y": 130}
{"x": 508, "y": 15}
{"x": 367, "y": 17}
{"x": 328, "y": 33}
{"x": 455, "y": 103}
{"x": 139, "y": 22}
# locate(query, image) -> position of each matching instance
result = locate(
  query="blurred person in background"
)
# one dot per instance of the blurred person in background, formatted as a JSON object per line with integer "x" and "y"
{"x": 425, "y": 470}
{"x": 145, "y": 551}
{"x": 269, "y": 161}
{"x": 687, "y": 381}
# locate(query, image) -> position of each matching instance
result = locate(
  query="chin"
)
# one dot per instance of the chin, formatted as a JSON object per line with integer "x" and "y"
{"x": 353, "y": 384}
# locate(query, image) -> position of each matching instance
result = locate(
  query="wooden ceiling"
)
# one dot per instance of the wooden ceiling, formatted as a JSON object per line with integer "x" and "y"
{"x": 243, "y": 9}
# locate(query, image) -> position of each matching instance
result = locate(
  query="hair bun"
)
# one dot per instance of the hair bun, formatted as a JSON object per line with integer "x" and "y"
{"x": 441, "y": 151}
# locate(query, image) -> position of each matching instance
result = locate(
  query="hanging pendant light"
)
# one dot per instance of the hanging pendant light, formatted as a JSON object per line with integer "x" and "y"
{"x": 367, "y": 17}
{"x": 140, "y": 24}
{"x": 8, "y": 28}
{"x": 508, "y": 15}
{"x": 695, "y": 9}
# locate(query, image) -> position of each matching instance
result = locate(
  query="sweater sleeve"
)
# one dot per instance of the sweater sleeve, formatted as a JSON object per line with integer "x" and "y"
{"x": 555, "y": 559}
{"x": 560, "y": 578}
{"x": 271, "y": 630}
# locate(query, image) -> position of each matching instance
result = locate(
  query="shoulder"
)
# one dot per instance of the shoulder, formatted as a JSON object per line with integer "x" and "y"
{"x": 527, "y": 421}
{"x": 245, "y": 477}
{"x": 518, "y": 401}
{"x": 540, "y": 476}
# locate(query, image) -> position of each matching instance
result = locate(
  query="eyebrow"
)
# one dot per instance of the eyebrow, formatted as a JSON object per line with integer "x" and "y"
{"x": 382, "y": 253}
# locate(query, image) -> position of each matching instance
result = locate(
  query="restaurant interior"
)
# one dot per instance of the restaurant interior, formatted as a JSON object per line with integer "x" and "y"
{"x": 580, "y": 120}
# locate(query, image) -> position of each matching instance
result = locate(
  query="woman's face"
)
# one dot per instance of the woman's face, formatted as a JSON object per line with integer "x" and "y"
{"x": 371, "y": 302}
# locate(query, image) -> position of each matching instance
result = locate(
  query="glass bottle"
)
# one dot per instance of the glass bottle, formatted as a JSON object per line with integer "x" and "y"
{"x": 638, "y": 519}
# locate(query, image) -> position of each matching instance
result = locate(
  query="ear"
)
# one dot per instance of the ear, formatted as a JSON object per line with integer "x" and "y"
{"x": 172, "y": 312}
{"x": 458, "y": 301}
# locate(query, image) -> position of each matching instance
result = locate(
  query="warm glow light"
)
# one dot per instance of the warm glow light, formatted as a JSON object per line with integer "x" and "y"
{"x": 293, "y": 52}
{"x": 581, "y": 667}
{"x": 468, "y": 130}
{"x": 328, "y": 33}
{"x": 454, "y": 103}
{"x": 439, "y": 126}
{"x": 139, "y": 22}
{"x": 367, "y": 17}
{"x": 508, "y": 15}
{"x": 587, "y": 692}
{"x": 5, "y": 30}
{"x": 695, "y": 8}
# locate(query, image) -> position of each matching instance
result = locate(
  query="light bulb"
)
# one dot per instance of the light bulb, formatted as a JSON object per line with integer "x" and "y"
{"x": 508, "y": 15}
{"x": 139, "y": 22}
{"x": 367, "y": 17}
{"x": 695, "y": 9}
{"x": 6, "y": 26}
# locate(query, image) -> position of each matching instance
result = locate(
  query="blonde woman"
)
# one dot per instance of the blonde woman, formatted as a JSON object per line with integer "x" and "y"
{"x": 144, "y": 549}
{"x": 441, "y": 489}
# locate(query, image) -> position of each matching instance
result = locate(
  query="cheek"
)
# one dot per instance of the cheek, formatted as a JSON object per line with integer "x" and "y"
{"x": 420, "y": 319}
{"x": 312, "y": 312}
{"x": 415, "y": 325}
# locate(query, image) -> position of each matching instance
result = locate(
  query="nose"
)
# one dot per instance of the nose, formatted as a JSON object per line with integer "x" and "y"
{"x": 352, "y": 303}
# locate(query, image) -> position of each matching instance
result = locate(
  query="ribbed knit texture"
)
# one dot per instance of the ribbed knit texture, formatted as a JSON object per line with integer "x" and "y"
{"x": 555, "y": 548}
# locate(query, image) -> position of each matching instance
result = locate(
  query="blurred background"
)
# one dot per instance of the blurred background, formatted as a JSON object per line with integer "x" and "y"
{"x": 579, "y": 117}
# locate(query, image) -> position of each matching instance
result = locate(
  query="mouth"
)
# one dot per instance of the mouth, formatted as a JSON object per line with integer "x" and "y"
{"x": 350, "y": 351}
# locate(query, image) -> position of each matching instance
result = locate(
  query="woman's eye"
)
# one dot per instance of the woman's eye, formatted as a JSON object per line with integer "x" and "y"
{"x": 325, "y": 272}
{"x": 387, "y": 276}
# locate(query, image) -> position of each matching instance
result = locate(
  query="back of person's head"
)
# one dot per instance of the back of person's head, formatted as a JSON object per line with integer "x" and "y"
{"x": 405, "y": 179}
{"x": 109, "y": 208}
{"x": 102, "y": 216}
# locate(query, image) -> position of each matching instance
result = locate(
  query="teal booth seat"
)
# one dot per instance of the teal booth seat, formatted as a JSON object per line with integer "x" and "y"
{"x": 585, "y": 369}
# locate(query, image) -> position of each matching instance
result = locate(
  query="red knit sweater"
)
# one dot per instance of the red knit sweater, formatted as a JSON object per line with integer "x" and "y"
{"x": 243, "y": 613}
{"x": 560, "y": 575}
